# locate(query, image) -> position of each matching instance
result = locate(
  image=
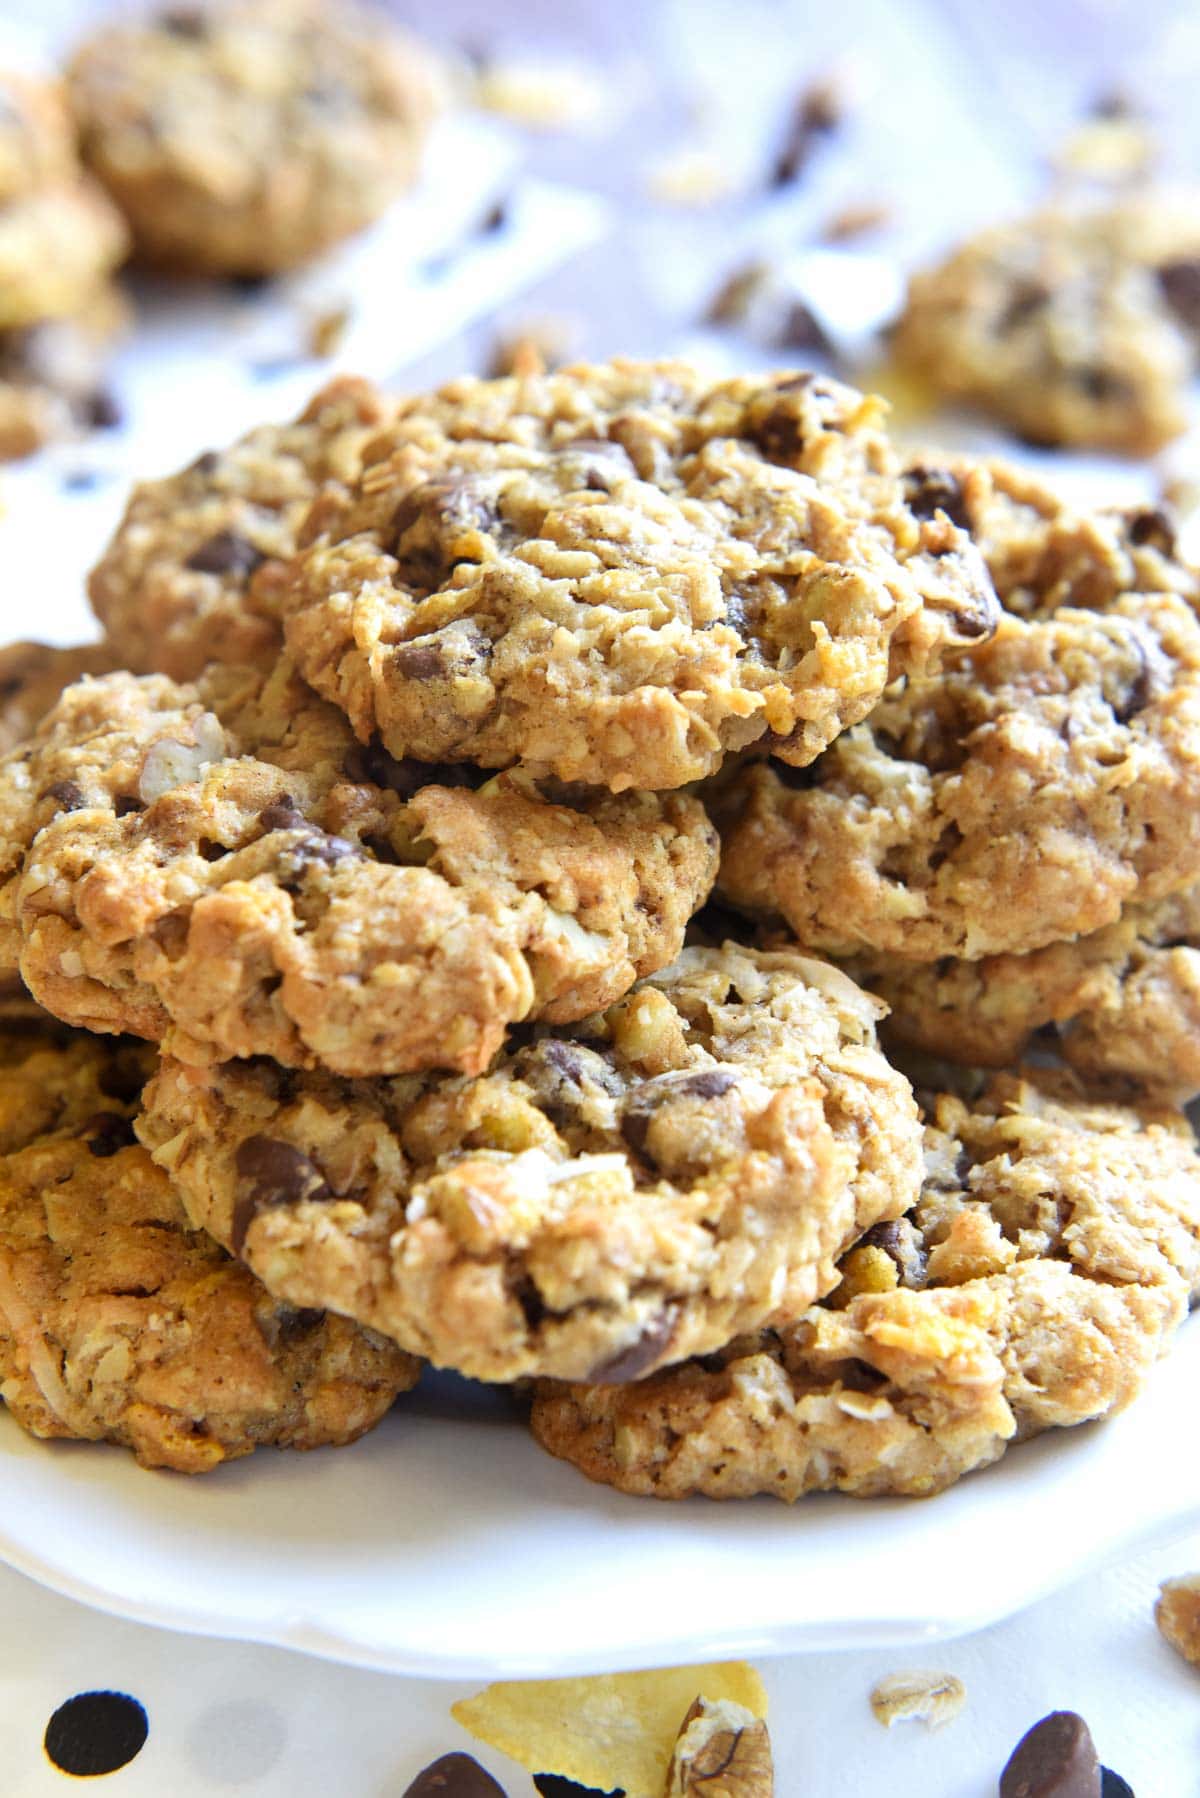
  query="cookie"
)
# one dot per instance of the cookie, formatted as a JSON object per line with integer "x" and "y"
{"x": 223, "y": 869}
{"x": 53, "y": 374}
{"x": 1044, "y": 1269}
{"x": 617, "y": 574}
{"x": 1076, "y": 325}
{"x": 37, "y": 140}
{"x": 1022, "y": 796}
{"x": 244, "y": 137}
{"x": 192, "y": 572}
{"x": 32, "y": 679}
{"x": 599, "y": 1203}
{"x": 58, "y": 245}
{"x": 1124, "y": 1001}
{"x": 1044, "y": 553}
{"x": 119, "y": 1322}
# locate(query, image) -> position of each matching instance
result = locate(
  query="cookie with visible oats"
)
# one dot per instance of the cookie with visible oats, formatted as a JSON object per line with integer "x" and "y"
{"x": 119, "y": 1322}
{"x": 599, "y": 1203}
{"x": 1076, "y": 325}
{"x": 1043, "y": 1270}
{"x": 223, "y": 869}
{"x": 192, "y": 573}
{"x": 246, "y": 136}
{"x": 1022, "y": 796}
{"x": 617, "y": 574}
{"x": 1124, "y": 1002}
{"x": 32, "y": 679}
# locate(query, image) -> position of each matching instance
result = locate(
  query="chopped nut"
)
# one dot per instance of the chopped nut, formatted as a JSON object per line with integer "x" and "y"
{"x": 723, "y": 1751}
{"x": 170, "y": 763}
{"x": 1177, "y": 1615}
{"x": 932, "y": 1698}
{"x": 327, "y": 329}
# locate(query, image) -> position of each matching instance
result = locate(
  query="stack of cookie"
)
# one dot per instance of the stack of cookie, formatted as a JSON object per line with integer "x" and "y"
{"x": 60, "y": 241}
{"x": 390, "y": 826}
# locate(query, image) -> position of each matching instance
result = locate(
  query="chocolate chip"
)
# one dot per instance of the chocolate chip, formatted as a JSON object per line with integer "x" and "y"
{"x": 67, "y": 794}
{"x": 108, "y": 1131}
{"x": 1180, "y": 285}
{"x": 1099, "y": 384}
{"x": 1155, "y": 527}
{"x": 817, "y": 114}
{"x": 1151, "y": 679}
{"x": 931, "y": 490}
{"x": 779, "y": 435}
{"x": 458, "y": 504}
{"x": 125, "y": 804}
{"x": 286, "y": 1324}
{"x": 273, "y": 1173}
{"x": 564, "y": 1058}
{"x": 1113, "y": 1786}
{"x": 282, "y": 814}
{"x": 103, "y": 411}
{"x": 641, "y": 1356}
{"x": 1055, "y": 1759}
{"x": 1026, "y": 300}
{"x": 708, "y": 1085}
{"x": 455, "y": 1776}
{"x": 635, "y": 1128}
{"x": 419, "y": 661}
{"x": 226, "y": 553}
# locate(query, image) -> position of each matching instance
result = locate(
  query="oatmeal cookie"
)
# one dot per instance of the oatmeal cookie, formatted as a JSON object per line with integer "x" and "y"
{"x": 1042, "y": 552}
{"x": 57, "y": 248}
{"x": 1076, "y": 325}
{"x": 192, "y": 573}
{"x": 52, "y": 374}
{"x": 1044, "y": 1268}
{"x": 1022, "y": 796}
{"x": 222, "y": 868}
{"x": 32, "y": 679}
{"x": 119, "y": 1322}
{"x": 37, "y": 140}
{"x": 599, "y": 1203}
{"x": 1125, "y": 1000}
{"x": 617, "y": 574}
{"x": 246, "y": 136}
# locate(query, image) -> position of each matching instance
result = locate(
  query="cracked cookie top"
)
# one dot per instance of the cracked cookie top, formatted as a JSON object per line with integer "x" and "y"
{"x": 245, "y": 136}
{"x": 599, "y": 1203}
{"x": 222, "y": 868}
{"x": 1023, "y": 795}
{"x": 1043, "y": 1270}
{"x": 192, "y": 572}
{"x": 120, "y": 1322}
{"x": 617, "y": 574}
{"x": 1076, "y": 325}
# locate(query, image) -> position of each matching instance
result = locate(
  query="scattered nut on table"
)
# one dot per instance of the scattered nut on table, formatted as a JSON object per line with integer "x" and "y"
{"x": 1177, "y": 1614}
{"x": 932, "y": 1698}
{"x": 723, "y": 1751}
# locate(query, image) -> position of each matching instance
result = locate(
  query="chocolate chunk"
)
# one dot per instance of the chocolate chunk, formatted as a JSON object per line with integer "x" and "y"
{"x": 708, "y": 1085}
{"x": 639, "y": 1357}
{"x": 226, "y": 553}
{"x": 930, "y": 490}
{"x": 68, "y": 794}
{"x": 272, "y": 1173}
{"x": 900, "y": 1243}
{"x": 419, "y": 661}
{"x": 286, "y": 1324}
{"x": 455, "y": 1776}
{"x": 126, "y": 804}
{"x": 282, "y": 814}
{"x": 108, "y": 1131}
{"x": 1151, "y": 678}
{"x": 1153, "y": 526}
{"x": 1180, "y": 285}
{"x": 456, "y": 503}
{"x": 1055, "y": 1759}
{"x": 779, "y": 435}
{"x": 1113, "y": 1786}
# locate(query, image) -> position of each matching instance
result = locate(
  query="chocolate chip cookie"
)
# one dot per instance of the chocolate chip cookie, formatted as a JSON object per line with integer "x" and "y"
{"x": 1076, "y": 325}
{"x": 53, "y": 374}
{"x": 192, "y": 573}
{"x": 246, "y": 136}
{"x": 599, "y": 1203}
{"x": 617, "y": 574}
{"x": 119, "y": 1322}
{"x": 1022, "y": 796}
{"x": 1124, "y": 1001}
{"x": 222, "y": 868}
{"x": 1045, "y": 1267}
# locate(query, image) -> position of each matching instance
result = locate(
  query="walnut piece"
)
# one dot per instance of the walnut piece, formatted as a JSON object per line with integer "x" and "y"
{"x": 1177, "y": 1615}
{"x": 723, "y": 1751}
{"x": 933, "y": 1698}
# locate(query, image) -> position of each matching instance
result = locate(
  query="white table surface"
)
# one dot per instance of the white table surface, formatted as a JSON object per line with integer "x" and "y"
{"x": 961, "y": 102}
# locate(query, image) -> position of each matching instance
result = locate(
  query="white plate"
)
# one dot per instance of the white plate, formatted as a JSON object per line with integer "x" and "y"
{"x": 448, "y": 1545}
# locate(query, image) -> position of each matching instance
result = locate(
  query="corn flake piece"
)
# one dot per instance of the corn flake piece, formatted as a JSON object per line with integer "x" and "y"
{"x": 932, "y": 1698}
{"x": 614, "y": 1731}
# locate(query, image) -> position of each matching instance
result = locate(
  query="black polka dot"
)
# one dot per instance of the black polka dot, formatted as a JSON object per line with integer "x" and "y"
{"x": 553, "y": 1785}
{"x": 96, "y": 1732}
